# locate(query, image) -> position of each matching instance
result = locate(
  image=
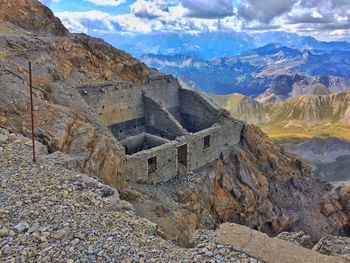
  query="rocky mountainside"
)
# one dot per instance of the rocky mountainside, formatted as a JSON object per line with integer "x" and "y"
{"x": 64, "y": 121}
{"x": 25, "y": 13}
{"x": 330, "y": 157}
{"x": 49, "y": 212}
{"x": 263, "y": 186}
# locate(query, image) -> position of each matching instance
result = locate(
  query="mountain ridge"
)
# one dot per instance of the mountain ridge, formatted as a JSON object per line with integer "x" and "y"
{"x": 255, "y": 71}
{"x": 205, "y": 46}
{"x": 295, "y": 115}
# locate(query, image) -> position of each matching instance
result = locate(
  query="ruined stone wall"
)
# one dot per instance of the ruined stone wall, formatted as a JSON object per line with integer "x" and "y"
{"x": 114, "y": 102}
{"x": 164, "y": 109}
{"x": 197, "y": 113}
{"x": 165, "y": 91}
{"x": 166, "y": 164}
{"x": 223, "y": 139}
{"x": 118, "y": 105}
{"x": 160, "y": 121}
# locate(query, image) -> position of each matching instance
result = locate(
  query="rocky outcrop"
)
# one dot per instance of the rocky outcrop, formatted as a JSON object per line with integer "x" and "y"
{"x": 268, "y": 249}
{"x": 270, "y": 189}
{"x": 334, "y": 246}
{"x": 298, "y": 238}
{"x": 31, "y": 15}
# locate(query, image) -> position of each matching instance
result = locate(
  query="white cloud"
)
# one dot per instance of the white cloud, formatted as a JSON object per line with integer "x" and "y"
{"x": 81, "y": 22}
{"x": 149, "y": 9}
{"x": 313, "y": 17}
{"x": 208, "y": 8}
{"x": 106, "y": 2}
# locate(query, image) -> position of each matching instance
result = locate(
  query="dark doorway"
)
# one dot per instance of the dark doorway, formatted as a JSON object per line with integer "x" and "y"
{"x": 182, "y": 157}
{"x": 152, "y": 165}
{"x": 206, "y": 142}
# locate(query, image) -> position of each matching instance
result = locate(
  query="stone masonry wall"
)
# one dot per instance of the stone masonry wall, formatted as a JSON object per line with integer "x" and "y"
{"x": 197, "y": 113}
{"x": 160, "y": 121}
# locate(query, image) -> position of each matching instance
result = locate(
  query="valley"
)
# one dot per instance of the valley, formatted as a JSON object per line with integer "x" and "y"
{"x": 315, "y": 126}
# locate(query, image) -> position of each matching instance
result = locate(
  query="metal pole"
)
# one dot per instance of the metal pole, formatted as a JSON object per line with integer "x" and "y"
{"x": 32, "y": 108}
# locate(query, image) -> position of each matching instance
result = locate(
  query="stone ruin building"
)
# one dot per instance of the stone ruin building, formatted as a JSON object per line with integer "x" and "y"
{"x": 166, "y": 130}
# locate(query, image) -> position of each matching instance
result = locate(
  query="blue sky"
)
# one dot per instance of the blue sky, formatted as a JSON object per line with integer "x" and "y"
{"x": 82, "y": 6}
{"x": 323, "y": 19}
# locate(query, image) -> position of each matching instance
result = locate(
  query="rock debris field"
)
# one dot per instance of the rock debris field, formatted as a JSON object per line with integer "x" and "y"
{"x": 49, "y": 213}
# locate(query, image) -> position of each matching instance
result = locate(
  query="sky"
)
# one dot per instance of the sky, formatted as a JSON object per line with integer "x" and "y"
{"x": 323, "y": 19}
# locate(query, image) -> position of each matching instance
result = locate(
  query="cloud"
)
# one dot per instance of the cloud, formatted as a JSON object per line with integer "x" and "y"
{"x": 100, "y": 21}
{"x": 208, "y": 8}
{"x": 327, "y": 18}
{"x": 149, "y": 9}
{"x": 261, "y": 27}
{"x": 82, "y": 22}
{"x": 264, "y": 11}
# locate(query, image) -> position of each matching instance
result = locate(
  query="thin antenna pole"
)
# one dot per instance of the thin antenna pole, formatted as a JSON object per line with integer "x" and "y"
{"x": 32, "y": 108}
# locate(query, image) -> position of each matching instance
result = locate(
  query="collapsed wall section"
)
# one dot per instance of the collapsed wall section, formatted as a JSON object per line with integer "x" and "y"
{"x": 160, "y": 121}
{"x": 196, "y": 112}
{"x": 141, "y": 142}
{"x": 165, "y": 91}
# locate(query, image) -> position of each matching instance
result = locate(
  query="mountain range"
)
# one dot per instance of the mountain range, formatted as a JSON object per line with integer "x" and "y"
{"x": 209, "y": 45}
{"x": 253, "y": 72}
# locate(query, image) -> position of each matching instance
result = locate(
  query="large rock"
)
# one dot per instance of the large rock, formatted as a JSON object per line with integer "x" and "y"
{"x": 268, "y": 249}
{"x": 335, "y": 246}
{"x": 298, "y": 238}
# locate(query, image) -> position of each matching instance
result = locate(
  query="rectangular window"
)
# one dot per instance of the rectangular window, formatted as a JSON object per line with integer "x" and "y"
{"x": 152, "y": 165}
{"x": 206, "y": 142}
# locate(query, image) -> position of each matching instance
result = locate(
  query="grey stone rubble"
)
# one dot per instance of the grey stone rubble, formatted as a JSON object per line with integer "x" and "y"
{"x": 334, "y": 246}
{"x": 298, "y": 238}
{"x": 49, "y": 213}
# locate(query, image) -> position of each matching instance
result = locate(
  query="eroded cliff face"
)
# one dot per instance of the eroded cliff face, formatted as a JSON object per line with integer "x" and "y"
{"x": 273, "y": 191}
{"x": 262, "y": 185}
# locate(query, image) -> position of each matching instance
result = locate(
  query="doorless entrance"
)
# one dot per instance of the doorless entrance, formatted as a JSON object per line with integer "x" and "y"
{"x": 182, "y": 158}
